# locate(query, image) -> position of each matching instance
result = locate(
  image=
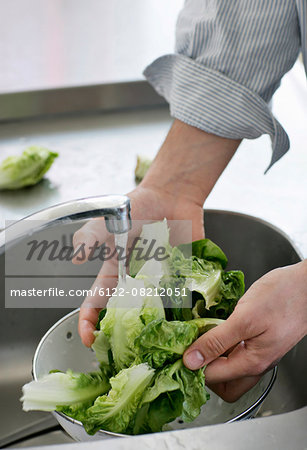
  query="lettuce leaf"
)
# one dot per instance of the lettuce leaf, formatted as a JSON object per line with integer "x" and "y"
{"x": 162, "y": 342}
{"x": 101, "y": 347}
{"x": 57, "y": 389}
{"x": 124, "y": 321}
{"x": 177, "y": 391}
{"x": 231, "y": 290}
{"x": 190, "y": 275}
{"x": 156, "y": 233}
{"x": 122, "y": 324}
{"x": 114, "y": 411}
{"x": 207, "y": 250}
{"x": 27, "y": 169}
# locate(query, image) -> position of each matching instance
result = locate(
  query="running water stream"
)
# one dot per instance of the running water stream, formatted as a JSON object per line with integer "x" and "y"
{"x": 121, "y": 245}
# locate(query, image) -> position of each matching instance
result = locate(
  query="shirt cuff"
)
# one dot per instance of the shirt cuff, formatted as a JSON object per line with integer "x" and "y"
{"x": 209, "y": 100}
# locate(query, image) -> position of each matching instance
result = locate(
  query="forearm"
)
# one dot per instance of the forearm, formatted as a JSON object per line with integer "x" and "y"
{"x": 189, "y": 162}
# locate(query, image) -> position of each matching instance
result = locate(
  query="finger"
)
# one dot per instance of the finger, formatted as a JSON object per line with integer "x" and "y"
{"x": 241, "y": 362}
{"x": 212, "y": 344}
{"x": 90, "y": 236}
{"x": 89, "y": 311}
{"x": 231, "y": 391}
{"x": 87, "y": 319}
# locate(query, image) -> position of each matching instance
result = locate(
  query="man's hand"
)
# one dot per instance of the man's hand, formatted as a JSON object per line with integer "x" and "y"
{"x": 145, "y": 204}
{"x": 267, "y": 322}
{"x": 181, "y": 177}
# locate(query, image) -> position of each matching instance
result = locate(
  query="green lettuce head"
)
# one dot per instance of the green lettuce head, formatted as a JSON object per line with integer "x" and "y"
{"x": 27, "y": 169}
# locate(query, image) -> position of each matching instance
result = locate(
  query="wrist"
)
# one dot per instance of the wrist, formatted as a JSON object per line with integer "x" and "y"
{"x": 189, "y": 163}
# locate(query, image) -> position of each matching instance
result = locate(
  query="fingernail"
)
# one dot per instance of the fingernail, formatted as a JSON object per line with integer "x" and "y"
{"x": 194, "y": 360}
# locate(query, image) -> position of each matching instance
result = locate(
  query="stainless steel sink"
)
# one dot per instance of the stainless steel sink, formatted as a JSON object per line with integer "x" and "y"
{"x": 251, "y": 245}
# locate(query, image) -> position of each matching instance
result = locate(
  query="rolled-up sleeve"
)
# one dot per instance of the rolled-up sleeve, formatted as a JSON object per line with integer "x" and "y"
{"x": 229, "y": 59}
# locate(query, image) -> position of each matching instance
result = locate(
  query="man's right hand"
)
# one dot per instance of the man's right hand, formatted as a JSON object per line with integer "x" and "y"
{"x": 181, "y": 177}
{"x": 146, "y": 205}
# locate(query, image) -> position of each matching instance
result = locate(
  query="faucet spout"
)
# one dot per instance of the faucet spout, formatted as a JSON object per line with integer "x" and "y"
{"x": 114, "y": 208}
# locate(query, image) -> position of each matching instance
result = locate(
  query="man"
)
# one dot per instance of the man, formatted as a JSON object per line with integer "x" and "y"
{"x": 230, "y": 57}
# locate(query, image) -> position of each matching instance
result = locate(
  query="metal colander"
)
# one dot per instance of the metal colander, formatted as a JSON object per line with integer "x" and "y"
{"x": 61, "y": 348}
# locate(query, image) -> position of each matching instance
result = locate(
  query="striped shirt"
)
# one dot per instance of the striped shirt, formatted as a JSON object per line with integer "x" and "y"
{"x": 229, "y": 59}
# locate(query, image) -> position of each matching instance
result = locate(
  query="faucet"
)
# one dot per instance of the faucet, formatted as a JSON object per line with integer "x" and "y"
{"x": 114, "y": 208}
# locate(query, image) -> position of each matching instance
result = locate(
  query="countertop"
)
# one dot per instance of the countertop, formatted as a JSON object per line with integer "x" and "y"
{"x": 98, "y": 156}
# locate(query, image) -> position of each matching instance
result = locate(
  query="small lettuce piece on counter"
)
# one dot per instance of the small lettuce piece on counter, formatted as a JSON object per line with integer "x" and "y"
{"x": 162, "y": 342}
{"x": 57, "y": 389}
{"x": 114, "y": 411}
{"x": 27, "y": 169}
{"x": 142, "y": 165}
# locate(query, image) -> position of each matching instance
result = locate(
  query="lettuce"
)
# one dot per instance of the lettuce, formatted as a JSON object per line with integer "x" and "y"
{"x": 151, "y": 417}
{"x": 156, "y": 233}
{"x": 101, "y": 347}
{"x": 231, "y": 290}
{"x": 124, "y": 321}
{"x": 205, "y": 324}
{"x": 196, "y": 275}
{"x": 140, "y": 338}
{"x": 162, "y": 342}
{"x": 199, "y": 276}
{"x": 114, "y": 411}
{"x": 122, "y": 324}
{"x": 206, "y": 250}
{"x": 27, "y": 169}
{"x": 192, "y": 385}
{"x": 177, "y": 391}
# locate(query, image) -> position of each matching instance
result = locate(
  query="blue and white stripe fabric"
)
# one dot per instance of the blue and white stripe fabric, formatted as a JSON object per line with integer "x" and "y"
{"x": 229, "y": 59}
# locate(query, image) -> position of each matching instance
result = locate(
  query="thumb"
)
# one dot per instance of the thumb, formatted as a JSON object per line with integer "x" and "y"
{"x": 213, "y": 344}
